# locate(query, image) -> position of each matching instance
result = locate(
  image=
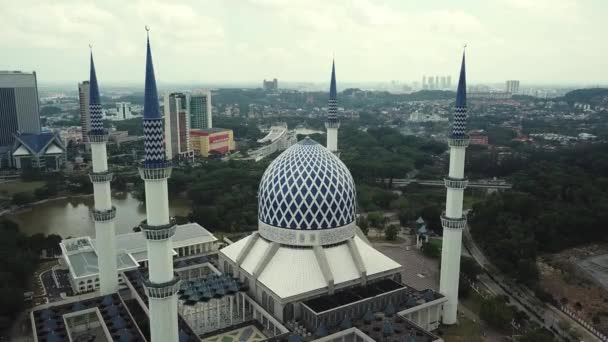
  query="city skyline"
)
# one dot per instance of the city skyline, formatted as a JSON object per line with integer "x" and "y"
{"x": 294, "y": 41}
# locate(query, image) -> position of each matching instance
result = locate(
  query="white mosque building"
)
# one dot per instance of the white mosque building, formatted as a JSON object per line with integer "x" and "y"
{"x": 306, "y": 274}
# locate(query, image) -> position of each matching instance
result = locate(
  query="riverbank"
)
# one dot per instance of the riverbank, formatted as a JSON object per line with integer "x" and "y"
{"x": 18, "y": 209}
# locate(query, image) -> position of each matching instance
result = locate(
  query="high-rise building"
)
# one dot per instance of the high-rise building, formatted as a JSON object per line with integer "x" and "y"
{"x": 424, "y": 85}
{"x": 512, "y": 86}
{"x": 19, "y": 107}
{"x": 162, "y": 284}
{"x": 444, "y": 83}
{"x": 332, "y": 123}
{"x": 200, "y": 110}
{"x": 123, "y": 111}
{"x": 177, "y": 126}
{"x": 271, "y": 85}
{"x": 449, "y": 81}
{"x": 431, "y": 81}
{"x": 437, "y": 85}
{"x": 452, "y": 220}
{"x": 85, "y": 114}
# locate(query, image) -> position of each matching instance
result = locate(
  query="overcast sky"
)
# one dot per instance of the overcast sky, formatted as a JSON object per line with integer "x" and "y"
{"x": 548, "y": 41}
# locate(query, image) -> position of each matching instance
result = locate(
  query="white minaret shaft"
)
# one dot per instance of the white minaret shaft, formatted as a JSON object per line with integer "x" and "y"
{"x": 332, "y": 123}
{"x": 452, "y": 220}
{"x": 104, "y": 213}
{"x": 159, "y": 228}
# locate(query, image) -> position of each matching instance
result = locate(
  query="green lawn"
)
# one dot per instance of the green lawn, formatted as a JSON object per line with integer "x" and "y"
{"x": 465, "y": 331}
{"x": 470, "y": 200}
{"x": 10, "y": 188}
{"x": 435, "y": 241}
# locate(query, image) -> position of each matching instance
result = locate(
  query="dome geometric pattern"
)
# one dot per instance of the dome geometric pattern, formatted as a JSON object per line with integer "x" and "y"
{"x": 307, "y": 187}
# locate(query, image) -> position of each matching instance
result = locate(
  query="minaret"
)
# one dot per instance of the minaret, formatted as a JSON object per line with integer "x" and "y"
{"x": 452, "y": 220}
{"x": 158, "y": 228}
{"x": 104, "y": 212}
{"x": 332, "y": 124}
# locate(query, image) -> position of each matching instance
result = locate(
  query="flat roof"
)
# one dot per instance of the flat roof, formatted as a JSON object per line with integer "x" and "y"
{"x": 81, "y": 254}
{"x": 209, "y": 130}
{"x": 49, "y": 323}
{"x": 353, "y": 295}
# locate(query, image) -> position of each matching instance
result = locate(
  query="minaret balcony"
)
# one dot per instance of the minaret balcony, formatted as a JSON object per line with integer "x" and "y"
{"x": 332, "y": 124}
{"x": 156, "y": 174}
{"x": 104, "y": 215}
{"x": 453, "y": 183}
{"x": 453, "y": 223}
{"x": 163, "y": 290}
{"x": 458, "y": 142}
{"x": 101, "y": 177}
{"x": 159, "y": 232}
{"x": 97, "y": 138}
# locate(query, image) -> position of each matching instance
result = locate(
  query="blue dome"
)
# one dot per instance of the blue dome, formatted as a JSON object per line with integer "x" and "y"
{"x": 307, "y": 187}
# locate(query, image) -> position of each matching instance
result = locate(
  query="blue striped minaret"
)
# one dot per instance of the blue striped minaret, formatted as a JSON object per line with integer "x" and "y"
{"x": 104, "y": 212}
{"x": 452, "y": 220}
{"x": 459, "y": 125}
{"x": 159, "y": 227}
{"x": 95, "y": 103}
{"x": 154, "y": 135}
{"x": 332, "y": 123}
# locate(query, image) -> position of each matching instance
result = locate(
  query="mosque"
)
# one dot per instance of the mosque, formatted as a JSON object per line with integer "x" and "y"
{"x": 307, "y": 274}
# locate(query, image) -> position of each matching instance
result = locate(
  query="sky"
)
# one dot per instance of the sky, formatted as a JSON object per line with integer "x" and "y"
{"x": 207, "y": 41}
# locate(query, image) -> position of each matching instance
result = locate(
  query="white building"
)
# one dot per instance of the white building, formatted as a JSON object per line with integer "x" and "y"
{"x": 123, "y": 111}
{"x": 79, "y": 255}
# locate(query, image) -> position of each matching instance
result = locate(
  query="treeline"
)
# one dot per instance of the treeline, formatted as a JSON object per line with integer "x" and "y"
{"x": 19, "y": 258}
{"x": 559, "y": 200}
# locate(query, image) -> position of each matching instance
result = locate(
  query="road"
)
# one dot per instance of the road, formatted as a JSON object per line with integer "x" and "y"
{"x": 521, "y": 297}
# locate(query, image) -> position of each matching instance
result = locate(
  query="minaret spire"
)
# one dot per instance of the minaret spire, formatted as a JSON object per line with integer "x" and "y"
{"x": 332, "y": 123}
{"x": 94, "y": 101}
{"x": 452, "y": 219}
{"x": 104, "y": 212}
{"x": 459, "y": 124}
{"x": 159, "y": 227}
{"x": 154, "y": 143}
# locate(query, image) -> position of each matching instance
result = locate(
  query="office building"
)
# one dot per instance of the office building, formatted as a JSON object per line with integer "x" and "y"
{"x": 85, "y": 114}
{"x": 272, "y": 85}
{"x": 512, "y": 86}
{"x": 177, "y": 126}
{"x": 449, "y": 81}
{"x": 123, "y": 111}
{"x": 200, "y": 110}
{"x": 424, "y": 85}
{"x": 19, "y": 107}
{"x": 208, "y": 141}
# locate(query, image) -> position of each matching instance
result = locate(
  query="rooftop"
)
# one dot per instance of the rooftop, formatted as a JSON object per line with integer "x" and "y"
{"x": 81, "y": 255}
{"x": 207, "y": 131}
{"x": 59, "y": 323}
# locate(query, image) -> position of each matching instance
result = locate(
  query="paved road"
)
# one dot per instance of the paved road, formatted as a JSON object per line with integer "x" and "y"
{"x": 521, "y": 297}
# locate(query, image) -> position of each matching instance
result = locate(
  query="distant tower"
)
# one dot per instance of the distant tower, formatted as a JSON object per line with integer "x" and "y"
{"x": 104, "y": 212}
{"x": 159, "y": 228}
{"x": 452, "y": 219}
{"x": 449, "y": 81}
{"x": 200, "y": 110}
{"x": 85, "y": 114}
{"x": 424, "y": 86}
{"x": 332, "y": 123}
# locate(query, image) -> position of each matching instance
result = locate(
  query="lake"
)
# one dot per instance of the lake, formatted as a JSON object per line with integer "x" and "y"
{"x": 70, "y": 217}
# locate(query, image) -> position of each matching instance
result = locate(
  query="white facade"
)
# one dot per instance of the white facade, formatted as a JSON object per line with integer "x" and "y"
{"x": 123, "y": 111}
{"x": 177, "y": 126}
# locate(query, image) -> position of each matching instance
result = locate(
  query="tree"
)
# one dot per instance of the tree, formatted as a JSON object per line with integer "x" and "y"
{"x": 496, "y": 312}
{"x": 22, "y": 198}
{"x": 431, "y": 250}
{"x": 391, "y": 232}
{"x": 363, "y": 224}
{"x": 469, "y": 267}
{"x": 537, "y": 335}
